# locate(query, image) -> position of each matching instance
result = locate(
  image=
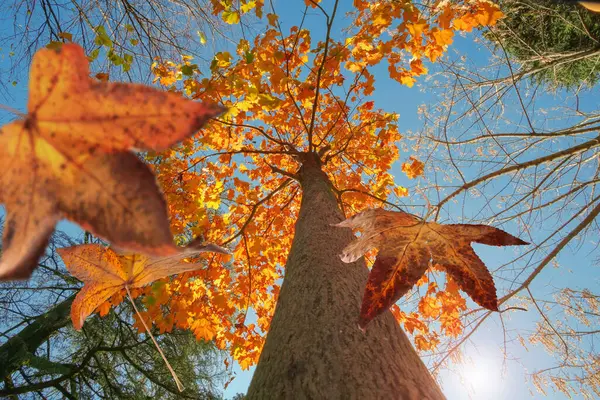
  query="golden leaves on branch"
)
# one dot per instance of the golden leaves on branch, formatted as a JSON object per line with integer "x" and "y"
{"x": 402, "y": 33}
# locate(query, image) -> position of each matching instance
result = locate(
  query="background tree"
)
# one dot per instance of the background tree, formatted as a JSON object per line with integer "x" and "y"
{"x": 556, "y": 43}
{"x": 123, "y": 37}
{"x": 41, "y": 355}
{"x": 500, "y": 150}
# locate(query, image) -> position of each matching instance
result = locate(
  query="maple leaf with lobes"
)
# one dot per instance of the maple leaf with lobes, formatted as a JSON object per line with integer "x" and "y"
{"x": 408, "y": 246}
{"x": 104, "y": 272}
{"x": 69, "y": 157}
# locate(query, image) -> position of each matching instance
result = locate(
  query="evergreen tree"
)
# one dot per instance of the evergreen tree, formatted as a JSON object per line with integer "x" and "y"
{"x": 556, "y": 43}
{"x": 42, "y": 356}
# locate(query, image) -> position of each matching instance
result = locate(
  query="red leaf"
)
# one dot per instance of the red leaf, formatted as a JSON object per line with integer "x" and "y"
{"x": 408, "y": 246}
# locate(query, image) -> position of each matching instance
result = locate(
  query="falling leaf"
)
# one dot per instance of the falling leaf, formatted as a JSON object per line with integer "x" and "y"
{"x": 105, "y": 271}
{"x": 408, "y": 246}
{"x": 69, "y": 158}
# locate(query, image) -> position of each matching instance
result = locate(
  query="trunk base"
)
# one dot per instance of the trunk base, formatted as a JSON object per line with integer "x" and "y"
{"x": 315, "y": 348}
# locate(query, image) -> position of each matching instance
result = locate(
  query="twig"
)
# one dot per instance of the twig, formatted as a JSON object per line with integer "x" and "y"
{"x": 13, "y": 111}
{"x": 173, "y": 374}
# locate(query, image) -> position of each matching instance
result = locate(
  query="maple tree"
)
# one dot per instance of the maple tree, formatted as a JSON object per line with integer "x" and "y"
{"x": 300, "y": 134}
{"x": 294, "y": 127}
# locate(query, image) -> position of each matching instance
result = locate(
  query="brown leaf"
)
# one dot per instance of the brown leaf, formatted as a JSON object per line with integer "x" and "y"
{"x": 408, "y": 246}
{"x": 105, "y": 271}
{"x": 69, "y": 157}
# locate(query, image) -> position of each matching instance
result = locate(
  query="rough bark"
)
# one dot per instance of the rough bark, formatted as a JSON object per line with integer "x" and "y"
{"x": 314, "y": 348}
{"x": 20, "y": 348}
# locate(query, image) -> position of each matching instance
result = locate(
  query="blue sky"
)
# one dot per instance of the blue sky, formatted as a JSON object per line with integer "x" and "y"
{"x": 491, "y": 374}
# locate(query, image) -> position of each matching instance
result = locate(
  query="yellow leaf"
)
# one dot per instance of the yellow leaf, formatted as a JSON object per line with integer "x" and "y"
{"x": 267, "y": 101}
{"x": 416, "y": 29}
{"x": 202, "y": 37}
{"x": 248, "y": 6}
{"x": 353, "y": 67}
{"x": 231, "y": 17}
{"x": 223, "y": 59}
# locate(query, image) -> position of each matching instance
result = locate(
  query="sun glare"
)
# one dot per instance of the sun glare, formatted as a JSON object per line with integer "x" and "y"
{"x": 481, "y": 377}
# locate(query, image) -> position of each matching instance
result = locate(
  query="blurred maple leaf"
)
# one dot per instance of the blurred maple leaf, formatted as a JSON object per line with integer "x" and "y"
{"x": 105, "y": 272}
{"x": 69, "y": 158}
{"x": 408, "y": 246}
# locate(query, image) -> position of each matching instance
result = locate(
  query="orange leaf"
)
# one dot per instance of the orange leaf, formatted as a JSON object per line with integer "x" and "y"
{"x": 407, "y": 244}
{"x": 105, "y": 272}
{"x": 417, "y": 67}
{"x": 102, "y": 76}
{"x": 416, "y": 29}
{"x": 488, "y": 14}
{"x": 104, "y": 308}
{"x": 312, "y": 3}
{"x": 272, "y": 19}
{"x": 443, "y": 37}
{"x": 69, "y": 158}
{"x": 413, "y": 169}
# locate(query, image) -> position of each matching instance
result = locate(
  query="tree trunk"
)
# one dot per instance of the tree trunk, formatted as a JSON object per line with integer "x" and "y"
{"x": 19, "y": 349}
{"x": 314, "y": 348}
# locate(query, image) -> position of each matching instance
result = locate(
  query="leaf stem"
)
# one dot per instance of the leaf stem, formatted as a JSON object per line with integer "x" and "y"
{"x": 173, "y": 374}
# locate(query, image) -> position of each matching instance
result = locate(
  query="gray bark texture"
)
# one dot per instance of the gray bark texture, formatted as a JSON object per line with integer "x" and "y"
{"x": 314, "y": 348}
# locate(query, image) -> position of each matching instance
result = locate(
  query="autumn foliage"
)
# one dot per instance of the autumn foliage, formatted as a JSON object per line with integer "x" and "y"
{"x": 286, "y": 94}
